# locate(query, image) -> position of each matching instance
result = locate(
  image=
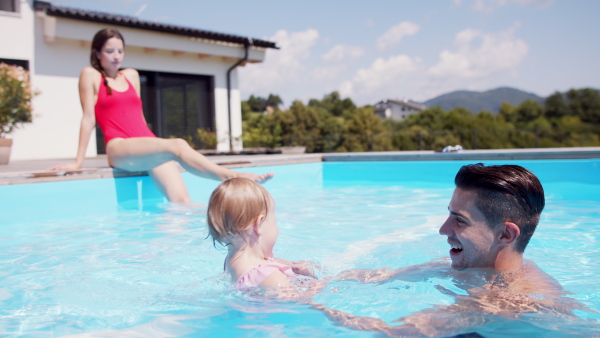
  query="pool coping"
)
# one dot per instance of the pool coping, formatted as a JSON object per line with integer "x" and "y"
{"x": 26, "y": 172}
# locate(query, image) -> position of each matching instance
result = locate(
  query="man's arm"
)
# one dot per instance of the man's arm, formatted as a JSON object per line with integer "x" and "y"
{"x": 432, "y": 322}
{"x": 412, "y": 273}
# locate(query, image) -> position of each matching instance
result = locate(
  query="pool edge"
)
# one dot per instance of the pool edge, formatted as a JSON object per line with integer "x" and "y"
{"x": 26, "y": 172}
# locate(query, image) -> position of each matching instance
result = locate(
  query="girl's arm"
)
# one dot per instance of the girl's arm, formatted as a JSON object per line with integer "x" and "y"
{"x": 88, "y": 96}
{"x": 305, "y": 268}
{"x": 300, "y": 291}
{"x": 275, "y": 280}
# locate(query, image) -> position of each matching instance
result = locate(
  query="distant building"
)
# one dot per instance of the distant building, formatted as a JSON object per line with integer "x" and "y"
{"x": 188, "y": 76}
{"x": 397, "y": 110}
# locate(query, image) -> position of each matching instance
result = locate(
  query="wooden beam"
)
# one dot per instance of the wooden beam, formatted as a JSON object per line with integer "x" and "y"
{"x": 177, "y": 53}
{"x": 203, "y": 56}
{"x": 149, "y": 50}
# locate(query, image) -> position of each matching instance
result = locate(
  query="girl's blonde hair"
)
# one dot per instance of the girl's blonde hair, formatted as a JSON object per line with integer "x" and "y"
{"x": 233, "y": 206}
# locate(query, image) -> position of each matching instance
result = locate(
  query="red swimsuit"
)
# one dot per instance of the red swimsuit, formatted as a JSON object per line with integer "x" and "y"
{"x": 120, "y": 114}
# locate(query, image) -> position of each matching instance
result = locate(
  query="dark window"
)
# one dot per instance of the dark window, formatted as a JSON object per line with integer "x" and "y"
{"x": 175, "y": 105}
{"x": 14, "y": 62}
{"x": 9, "y": 5}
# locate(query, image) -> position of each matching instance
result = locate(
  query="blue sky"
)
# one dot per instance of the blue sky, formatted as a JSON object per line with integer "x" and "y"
{"x": 396, "y": 49}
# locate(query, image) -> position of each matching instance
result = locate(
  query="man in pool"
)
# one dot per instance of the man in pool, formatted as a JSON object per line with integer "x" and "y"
{"x": 494, "y": 211}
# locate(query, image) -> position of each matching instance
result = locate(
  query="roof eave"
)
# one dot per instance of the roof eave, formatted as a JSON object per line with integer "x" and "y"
{"x": 132, "y": 22}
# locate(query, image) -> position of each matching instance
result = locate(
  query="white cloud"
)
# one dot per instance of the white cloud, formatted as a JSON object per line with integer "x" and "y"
{"x": 382, "y": 78}
{"x": 346, "y": 89}
{"x": 339, "y": 52}
{"x": 393, "y": 35}
{"x": 489, "y": 6}
{"x": 327, "y": 73}
{"x": 283, "y": 66}
{"x": 478, "y": 55}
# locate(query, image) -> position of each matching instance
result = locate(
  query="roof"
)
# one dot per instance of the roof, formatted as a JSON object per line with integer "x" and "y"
{"x": 133, "y": 22}
{"x": 409, "y": 104}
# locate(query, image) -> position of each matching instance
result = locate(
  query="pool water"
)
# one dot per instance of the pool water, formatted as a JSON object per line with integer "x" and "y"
{"x": 111, "y": 257}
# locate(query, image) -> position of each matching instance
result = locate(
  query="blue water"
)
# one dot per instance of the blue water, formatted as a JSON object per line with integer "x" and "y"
{"x": 112, "y": 257}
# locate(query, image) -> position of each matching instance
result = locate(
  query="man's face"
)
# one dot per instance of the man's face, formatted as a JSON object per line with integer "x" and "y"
{"x": 474, "y": 243}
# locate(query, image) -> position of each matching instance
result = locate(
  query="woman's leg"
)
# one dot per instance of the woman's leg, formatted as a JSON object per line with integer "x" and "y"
{"x": 146, "y": 153}
{"x": 168, "y": 180}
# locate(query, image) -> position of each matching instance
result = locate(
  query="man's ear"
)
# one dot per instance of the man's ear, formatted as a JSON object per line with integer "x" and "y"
{"x": 510, "y": 232}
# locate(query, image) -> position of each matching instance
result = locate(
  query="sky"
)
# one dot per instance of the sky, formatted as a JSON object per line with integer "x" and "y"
{"x": 373, "y": 50}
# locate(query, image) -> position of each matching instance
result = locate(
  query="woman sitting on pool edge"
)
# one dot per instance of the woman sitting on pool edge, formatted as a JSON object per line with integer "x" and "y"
{"x": 241, "y": 216}
{"x": 111, "y": 97}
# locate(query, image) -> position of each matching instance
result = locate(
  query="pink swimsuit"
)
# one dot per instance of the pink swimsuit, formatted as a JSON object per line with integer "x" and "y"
{"x": 257, "y": 274}
{"x": 120, "y": 114}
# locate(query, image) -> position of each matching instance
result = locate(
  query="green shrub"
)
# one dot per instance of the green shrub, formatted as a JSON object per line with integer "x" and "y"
{"x": 15, "y": 98}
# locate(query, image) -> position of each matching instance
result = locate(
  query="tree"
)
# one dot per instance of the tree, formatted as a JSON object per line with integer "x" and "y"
{"x": 246, "y": 110}
{"x": 274, "y": 101}
{"x": 528, "y": 111}
{"x": 508, "y": 112}
{"x": 361, "y": 133}
{"x": 257, "y": 103}
{"x": 585, "y": 103}
{"x": 306, "y": 129}
{"x": 334, "y": 104}
{"x": 555, "y": 106}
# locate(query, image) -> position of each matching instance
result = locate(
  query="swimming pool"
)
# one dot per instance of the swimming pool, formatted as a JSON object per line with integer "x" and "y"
{"x": 102, "y": 255}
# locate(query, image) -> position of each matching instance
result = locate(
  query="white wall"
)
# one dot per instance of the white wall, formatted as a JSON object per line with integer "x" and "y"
{"x": 189, "y": 64}
{"x": 59, "y": 48}
{"x": 16, "y": 37}
{"x": 399, "y": 114}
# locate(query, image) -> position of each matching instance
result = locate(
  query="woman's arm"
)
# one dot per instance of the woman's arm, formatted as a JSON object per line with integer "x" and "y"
{"x": 88, "y": 80}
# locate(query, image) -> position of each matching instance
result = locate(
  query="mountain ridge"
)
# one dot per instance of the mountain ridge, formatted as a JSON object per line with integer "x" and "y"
{"x": 489, "y": 100}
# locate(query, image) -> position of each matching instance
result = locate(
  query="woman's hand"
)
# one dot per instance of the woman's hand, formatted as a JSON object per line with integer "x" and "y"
{"x": 66, "y": 167}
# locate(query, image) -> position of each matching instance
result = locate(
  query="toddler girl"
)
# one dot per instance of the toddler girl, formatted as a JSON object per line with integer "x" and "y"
{"x": 241, "y": 216}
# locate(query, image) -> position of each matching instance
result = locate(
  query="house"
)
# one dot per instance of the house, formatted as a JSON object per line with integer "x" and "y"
{"x": 188, "y": 76}
{"x": 397, "y": 110}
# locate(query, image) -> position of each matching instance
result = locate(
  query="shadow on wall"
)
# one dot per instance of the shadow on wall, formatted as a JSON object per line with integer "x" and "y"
{"x": 63, "y": 58}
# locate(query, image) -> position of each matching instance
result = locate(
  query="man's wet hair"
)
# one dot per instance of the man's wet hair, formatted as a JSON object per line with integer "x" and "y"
{"x": 505, "y": 193}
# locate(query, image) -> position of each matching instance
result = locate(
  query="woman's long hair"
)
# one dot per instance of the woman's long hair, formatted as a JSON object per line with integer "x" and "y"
{"x": 97, "y": 43}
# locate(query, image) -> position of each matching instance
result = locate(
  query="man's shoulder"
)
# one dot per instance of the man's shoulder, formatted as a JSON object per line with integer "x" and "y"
{"x": 535, "y": 278}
